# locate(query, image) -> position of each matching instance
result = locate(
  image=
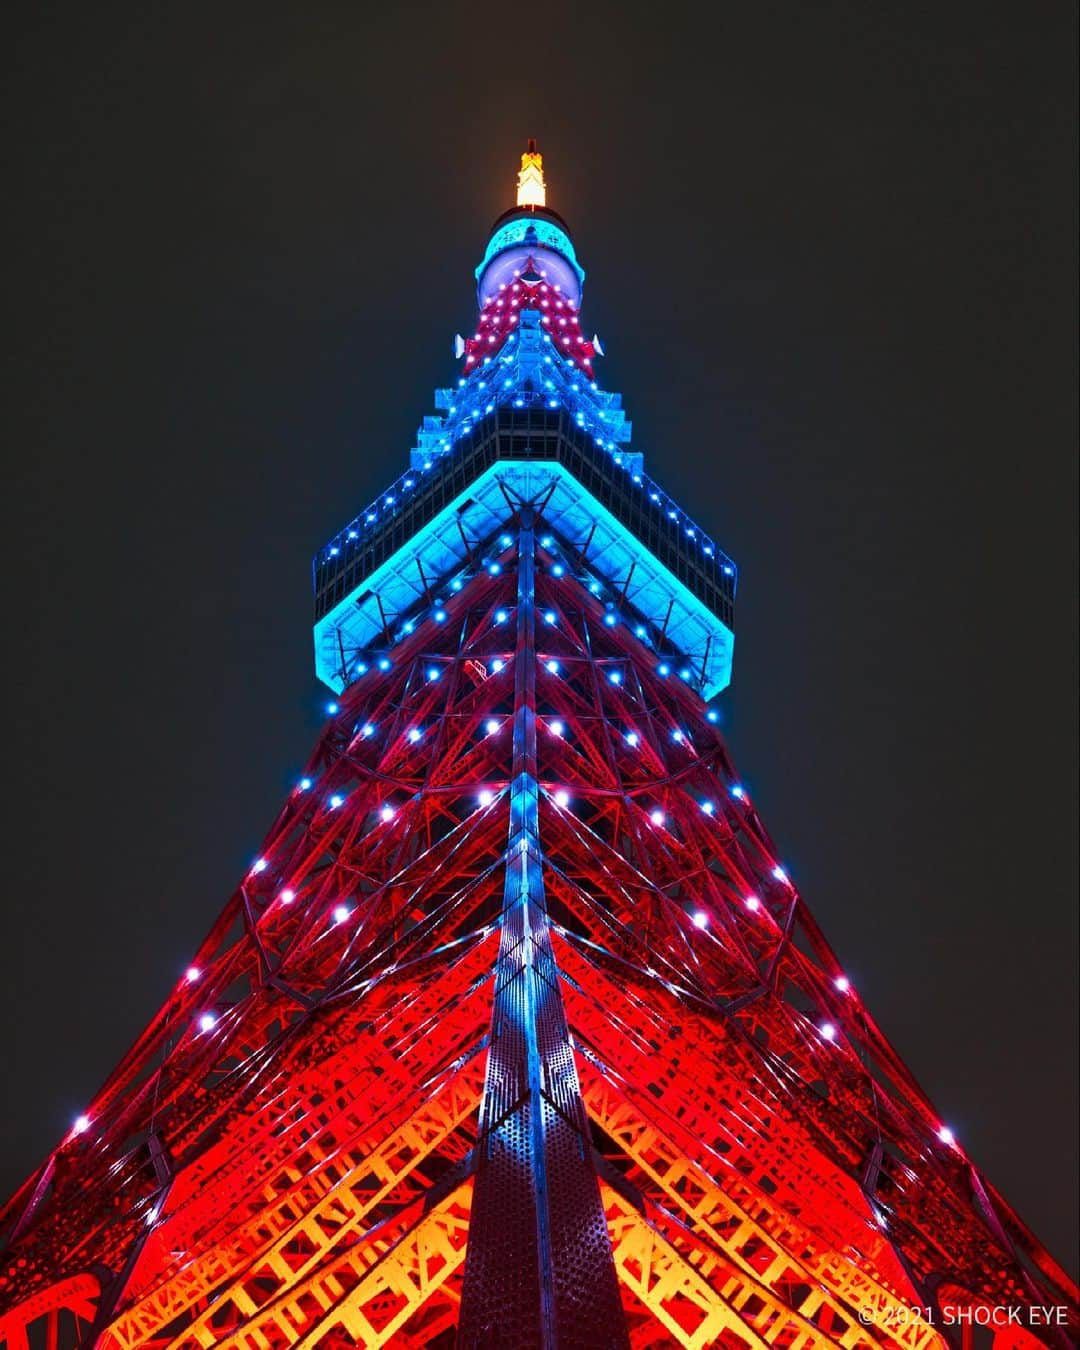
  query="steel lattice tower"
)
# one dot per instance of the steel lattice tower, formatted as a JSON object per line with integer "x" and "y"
{"x": 517, "y": 1033}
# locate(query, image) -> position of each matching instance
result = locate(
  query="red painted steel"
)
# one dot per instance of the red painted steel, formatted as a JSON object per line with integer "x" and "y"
{"x": 294, "y": 1150}
{"x": 499, "y": 317}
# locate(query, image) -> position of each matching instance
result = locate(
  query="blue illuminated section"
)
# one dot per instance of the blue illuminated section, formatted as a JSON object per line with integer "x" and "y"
{"x": 525, "y": 424}
{"x": 528, "y": 372}
{"x": 524, "y": 230}
{"x": 690, "y": 640}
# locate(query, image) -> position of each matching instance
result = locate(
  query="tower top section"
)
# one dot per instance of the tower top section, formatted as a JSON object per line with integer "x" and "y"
{"x": 531, "y": 189}
{"x": 525, "y": 424}
{"x": 530, "y": 242}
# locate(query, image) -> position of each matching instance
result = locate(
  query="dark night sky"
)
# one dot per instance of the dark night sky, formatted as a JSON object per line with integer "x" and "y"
{"x": 830, "y": 253}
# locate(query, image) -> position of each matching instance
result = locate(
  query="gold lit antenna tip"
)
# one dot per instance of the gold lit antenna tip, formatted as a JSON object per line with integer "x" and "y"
{"x": 531, "y": 190}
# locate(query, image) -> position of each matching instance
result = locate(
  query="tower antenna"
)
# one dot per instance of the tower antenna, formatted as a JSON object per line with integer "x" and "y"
{"x": 531, "y": 189}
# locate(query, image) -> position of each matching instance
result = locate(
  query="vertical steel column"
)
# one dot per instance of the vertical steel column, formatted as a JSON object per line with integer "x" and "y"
{"x": 539, "y": 1271}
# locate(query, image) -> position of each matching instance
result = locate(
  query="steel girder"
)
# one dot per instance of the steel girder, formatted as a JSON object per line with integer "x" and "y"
{"x": 515, "y": 1032}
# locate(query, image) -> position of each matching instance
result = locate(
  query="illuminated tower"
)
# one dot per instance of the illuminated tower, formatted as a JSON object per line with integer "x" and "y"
{"x": 517, "y": 1033}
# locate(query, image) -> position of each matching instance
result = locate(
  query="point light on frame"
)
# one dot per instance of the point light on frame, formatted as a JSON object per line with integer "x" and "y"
{"x": 701, "y": 919}
{"x": 562, "y": 798}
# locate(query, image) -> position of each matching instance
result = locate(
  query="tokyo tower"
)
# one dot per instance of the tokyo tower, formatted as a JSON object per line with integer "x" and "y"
{"x": 516, "y": 1033}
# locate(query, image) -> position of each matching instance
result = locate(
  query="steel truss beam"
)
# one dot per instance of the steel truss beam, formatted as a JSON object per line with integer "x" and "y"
{"x": 539, "y": 1270}
{"x": 448, "y": 999}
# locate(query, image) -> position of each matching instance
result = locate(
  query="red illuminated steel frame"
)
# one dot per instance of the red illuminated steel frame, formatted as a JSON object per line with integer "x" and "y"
{"x": 516, "y": 1035}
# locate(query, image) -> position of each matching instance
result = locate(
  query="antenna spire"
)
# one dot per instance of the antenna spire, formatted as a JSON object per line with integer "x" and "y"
{"x": 531, "y": 190}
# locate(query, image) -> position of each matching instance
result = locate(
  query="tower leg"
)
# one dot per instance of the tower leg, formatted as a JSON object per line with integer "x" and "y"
{"x": 539, "y": 1270}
